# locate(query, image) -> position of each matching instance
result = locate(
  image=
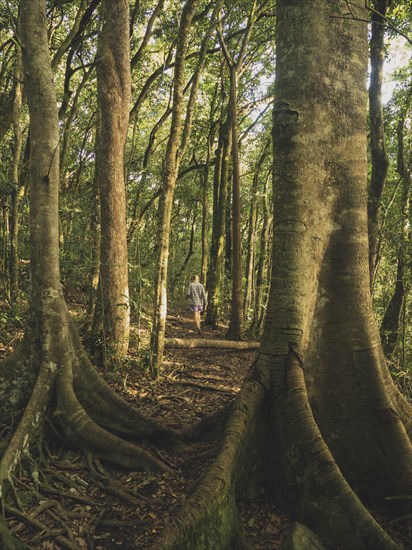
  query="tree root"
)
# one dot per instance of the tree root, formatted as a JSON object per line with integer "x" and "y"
{"x": 327, "y": 504}
{"x": 44, "y": 530}
{"x": 108, "y": 409}
{"x": 111, "y": 487}
{"x": 209, "y": 518}
{"x": 96, "y": 421}
{"x": 7, "y": 540}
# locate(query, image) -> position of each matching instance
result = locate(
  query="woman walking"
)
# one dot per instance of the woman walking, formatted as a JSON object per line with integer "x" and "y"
{"x": 197, "y": 299}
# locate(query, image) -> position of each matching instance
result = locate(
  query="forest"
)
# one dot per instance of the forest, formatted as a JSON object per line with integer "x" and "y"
{"x": 263, "y": 148}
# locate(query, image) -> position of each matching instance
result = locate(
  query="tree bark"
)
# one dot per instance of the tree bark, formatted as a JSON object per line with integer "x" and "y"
{"x": 217, "y": 247}
{"x": 379, "y": 157}
{"x": 234, "y": 331}
{"x": 252, "y": 230}
{"x": 15, "y": 192}
{"x": 263, "y": 269}
{"x": 113, "y": 78}
{"x": 166, "y": 201}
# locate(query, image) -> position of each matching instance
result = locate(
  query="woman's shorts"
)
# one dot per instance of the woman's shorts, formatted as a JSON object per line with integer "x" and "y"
{"x": 196, "y": 308}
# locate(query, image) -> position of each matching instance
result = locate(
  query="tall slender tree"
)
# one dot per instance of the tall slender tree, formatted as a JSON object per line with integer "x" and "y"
{"x": 113, "y": 85}
{"x": 172, "y": 162}
{"x": 15, "y": 179}
{"x": 235, "y": 66}
{"x": 379, "y": 156}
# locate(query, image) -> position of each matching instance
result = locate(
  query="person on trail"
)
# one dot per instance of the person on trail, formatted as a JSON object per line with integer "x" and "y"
{"x": 197, "y": 299}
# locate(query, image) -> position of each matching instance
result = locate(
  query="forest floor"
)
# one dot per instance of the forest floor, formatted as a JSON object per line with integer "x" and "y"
{"x": 106, "y": 508}
{"x": 97, "y": 507}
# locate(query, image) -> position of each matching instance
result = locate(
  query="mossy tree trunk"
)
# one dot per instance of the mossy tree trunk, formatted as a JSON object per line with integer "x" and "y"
{"x": 113, "y": 92}
{"x": 220, "y": 198}
{"x": 50, "y": 376}
{"x": 318, "y": 412}
{"x": 16, "y": 187}
{"x": 379, "y": 157}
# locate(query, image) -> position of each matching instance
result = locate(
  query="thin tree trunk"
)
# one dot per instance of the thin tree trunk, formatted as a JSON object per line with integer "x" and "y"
{"x": 15, "y": 193}
{"x": 236, "y": 313}
{"x": 220, "y": 194}
{"x": 166, "y": 201}
{"x": 251, "y": 247}
{"x": 379, "y": 157}
{"x": 113, "y": 77}
{"x": 263, "y": 269}
{"x": 94, "y": 310}
{"x": 205, "y": 218}
{"x": 189, "y": 254}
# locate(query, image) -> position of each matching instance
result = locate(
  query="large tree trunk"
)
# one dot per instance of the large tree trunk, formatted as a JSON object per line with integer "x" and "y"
{"x": 166, "y": 200}
{"x": 50, "y": 376}
{"x": 113, "y": 80}
{"x": 320, "y": 392}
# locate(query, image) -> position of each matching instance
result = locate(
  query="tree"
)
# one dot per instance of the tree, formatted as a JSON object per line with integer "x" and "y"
{"x": 14, "y": 177}
{"x": 113, "y": 84}
{"x": 379, "y": 157}
{"x": 252, "y": 234}
{"x": 320, "y": 392}
{"x": 391, "y": 320}
{"x": 235, "y": 67}
{"x": 172, "y": 161}
{"x": 50, "y": 376}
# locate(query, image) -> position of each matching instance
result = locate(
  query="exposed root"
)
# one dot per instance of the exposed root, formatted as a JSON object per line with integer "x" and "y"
{"x": 45, "y": 532}
{"x": 81, "y": 430}
{"x": 327, "y": 504}
{"x": 402, "y": 405}
{"x": 108, "y": 409}
{"x": 210, "y": 519}
{"x": 31, "y": 422}
{"x": 7, "y": 540}
{"x": 210, "y": 427}
{"x": 110, "y": 487}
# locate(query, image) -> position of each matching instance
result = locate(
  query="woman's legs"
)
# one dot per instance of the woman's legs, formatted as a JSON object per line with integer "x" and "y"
{"x": 196, "y": 315}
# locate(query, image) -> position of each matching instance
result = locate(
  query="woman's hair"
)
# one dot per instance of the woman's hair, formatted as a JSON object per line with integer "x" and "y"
{"x": 195, "y": 277}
